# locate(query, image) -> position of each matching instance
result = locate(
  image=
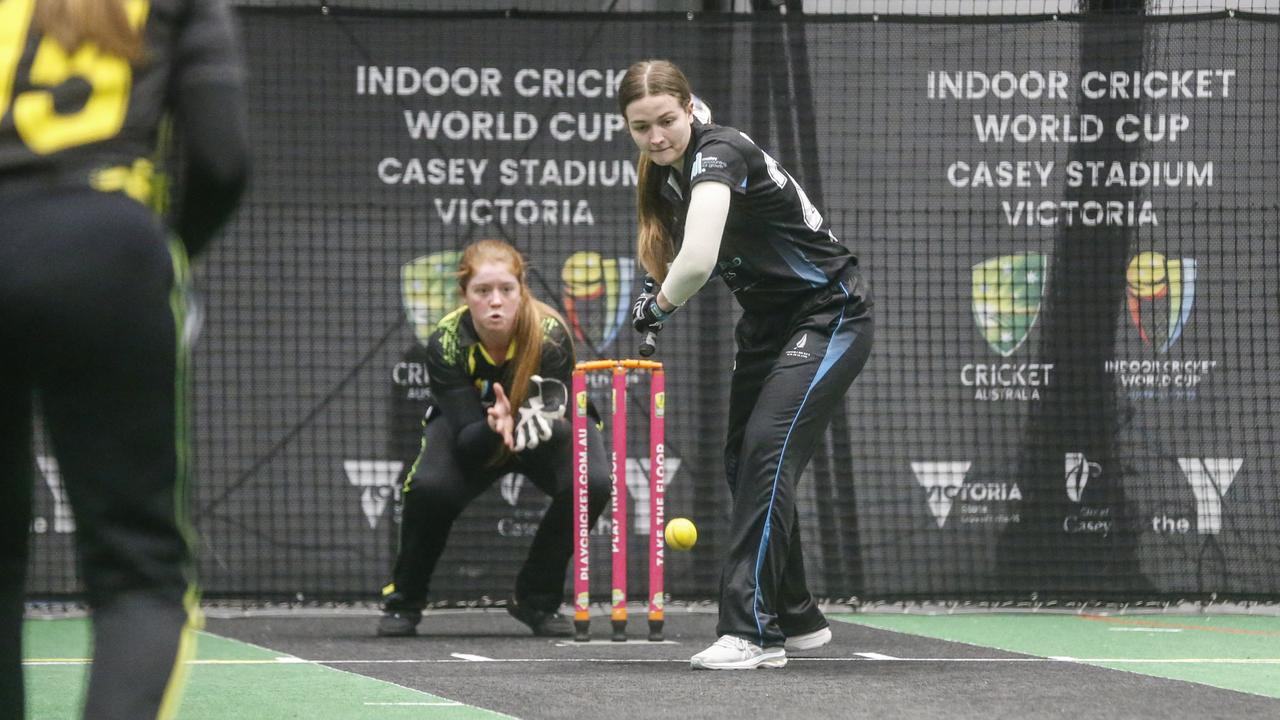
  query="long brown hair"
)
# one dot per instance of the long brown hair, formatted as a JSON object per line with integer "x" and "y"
{"x": 529, "y": 318}
{"x": 654, "y": 244}
{"x": 105, "y": 23}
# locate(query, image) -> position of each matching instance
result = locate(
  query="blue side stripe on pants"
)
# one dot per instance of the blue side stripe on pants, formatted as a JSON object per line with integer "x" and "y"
{"x": 836, "y": 348}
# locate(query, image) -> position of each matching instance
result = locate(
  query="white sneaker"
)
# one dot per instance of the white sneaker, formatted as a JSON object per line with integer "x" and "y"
{"x": 731, "y": 652}
{"x": 809, "y": 641}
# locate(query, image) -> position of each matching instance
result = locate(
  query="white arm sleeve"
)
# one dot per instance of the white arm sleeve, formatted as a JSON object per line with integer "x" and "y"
{"x": 703, "y": 228}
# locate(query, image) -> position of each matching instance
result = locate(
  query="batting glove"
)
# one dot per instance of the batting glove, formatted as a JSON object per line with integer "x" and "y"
{"x": 645, "y": 313}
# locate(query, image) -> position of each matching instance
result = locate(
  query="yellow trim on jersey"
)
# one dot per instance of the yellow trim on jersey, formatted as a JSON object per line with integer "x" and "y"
{"x": 177, "y": 684}
{"x": 134, "y": 181}
{"x": 511, "y": 352}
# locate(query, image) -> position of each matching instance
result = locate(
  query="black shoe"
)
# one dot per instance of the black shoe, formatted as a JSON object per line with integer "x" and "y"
{"x": 541, "y": 622}
{"x": 399, "y": 623}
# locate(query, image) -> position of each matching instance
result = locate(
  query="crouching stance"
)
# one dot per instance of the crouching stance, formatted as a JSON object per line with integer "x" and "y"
{"x": 499, "y": 368}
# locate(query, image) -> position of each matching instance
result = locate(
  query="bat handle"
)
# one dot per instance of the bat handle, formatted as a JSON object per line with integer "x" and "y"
{"x": 649, "y": 344}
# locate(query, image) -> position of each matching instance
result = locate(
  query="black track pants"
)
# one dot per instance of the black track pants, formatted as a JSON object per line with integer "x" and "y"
{"x": 87, "y": 325}
{"x": 441, "y": 485}
{"x": 790, "y": 373}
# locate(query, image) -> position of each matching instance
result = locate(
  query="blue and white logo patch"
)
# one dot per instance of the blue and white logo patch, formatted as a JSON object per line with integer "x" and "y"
{"x": 702, "y": 163}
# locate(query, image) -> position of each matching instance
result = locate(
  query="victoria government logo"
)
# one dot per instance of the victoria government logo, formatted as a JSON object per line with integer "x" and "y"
{"x": 1007, "y": 291}
{"x": 980, "y": 502}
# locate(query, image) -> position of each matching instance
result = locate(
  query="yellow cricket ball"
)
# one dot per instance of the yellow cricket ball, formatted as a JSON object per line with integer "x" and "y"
{"x": 681, "y": 534}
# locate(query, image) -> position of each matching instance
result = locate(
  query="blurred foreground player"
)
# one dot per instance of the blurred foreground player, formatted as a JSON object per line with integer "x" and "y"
{"x": 92, "y": 312}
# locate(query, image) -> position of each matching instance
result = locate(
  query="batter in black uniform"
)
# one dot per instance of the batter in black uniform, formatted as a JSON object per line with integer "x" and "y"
{"x": 499, "y": 369}
{"x": 804, "y": 336}
{"x": 91, "y": 312}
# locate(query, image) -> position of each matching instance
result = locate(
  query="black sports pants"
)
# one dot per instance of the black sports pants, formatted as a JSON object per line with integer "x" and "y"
{"x": 441, "y": 485}
{"x": 791, "y": 371}
{"x": 87, "y": 327}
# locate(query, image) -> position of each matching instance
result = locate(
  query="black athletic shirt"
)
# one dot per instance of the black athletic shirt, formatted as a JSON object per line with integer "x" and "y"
{"x": 95, "y": 121}
{"x": 461, "y": 375}
{"x": 776, "y": 246}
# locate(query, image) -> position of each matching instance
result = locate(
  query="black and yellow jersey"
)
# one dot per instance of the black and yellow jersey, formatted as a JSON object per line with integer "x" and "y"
{"x": 91, "y": 118}
{"x": 461, "y": 375}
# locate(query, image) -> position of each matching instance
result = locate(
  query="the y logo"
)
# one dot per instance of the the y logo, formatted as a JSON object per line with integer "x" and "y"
{"x": 63, "y": 520}
{"x": 1210, "y": 480}
{"x": 637, "y": 480}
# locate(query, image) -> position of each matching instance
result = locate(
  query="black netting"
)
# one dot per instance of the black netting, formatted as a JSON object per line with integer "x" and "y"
{"x": 1069, "y": 223}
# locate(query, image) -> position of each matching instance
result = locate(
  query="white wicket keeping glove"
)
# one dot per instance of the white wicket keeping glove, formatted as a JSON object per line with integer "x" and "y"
{"x": 536, "y": 416}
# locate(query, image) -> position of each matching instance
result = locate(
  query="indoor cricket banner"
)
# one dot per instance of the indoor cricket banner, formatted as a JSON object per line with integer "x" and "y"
{"x": 1069, "y": 227}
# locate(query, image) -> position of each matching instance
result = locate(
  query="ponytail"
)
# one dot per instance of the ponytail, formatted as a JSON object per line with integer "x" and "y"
{"x": 654, "y": 244}
{"x": 115, "y": 26}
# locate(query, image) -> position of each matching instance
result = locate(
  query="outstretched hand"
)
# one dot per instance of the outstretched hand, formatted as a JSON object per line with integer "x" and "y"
{"x": 500, "y": 418}
{"x": 539, "y": 411}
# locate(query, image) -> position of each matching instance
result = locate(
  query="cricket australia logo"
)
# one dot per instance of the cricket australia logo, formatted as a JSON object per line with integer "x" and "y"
{"x": 377, "y": 482}
{"x": 1210, "y": 479}
{"x": 429, "y": 290}
{"x": 1006, "y": 298}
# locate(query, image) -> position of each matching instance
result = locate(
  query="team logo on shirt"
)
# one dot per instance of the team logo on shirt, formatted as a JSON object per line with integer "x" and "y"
{"x": 797, "y": 350}
{"x": 596, "y": 295}
{"x": 1006, "y": 298}
{"x": 703, "y": 162}
{"x": 429, "y": 290}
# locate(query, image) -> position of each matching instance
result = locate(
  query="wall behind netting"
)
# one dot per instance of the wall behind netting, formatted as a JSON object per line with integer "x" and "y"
{"x": 1072, "y": 391}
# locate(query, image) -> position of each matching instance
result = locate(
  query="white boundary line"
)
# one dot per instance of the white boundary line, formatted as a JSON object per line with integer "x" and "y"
{"x": 463, "y": 658}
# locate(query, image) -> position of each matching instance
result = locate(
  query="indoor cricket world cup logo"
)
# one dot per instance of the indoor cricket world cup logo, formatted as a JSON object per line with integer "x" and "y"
{"x": 596, "y": 295}
{"x": 1006, "y": 298}
{"x": 429, "y": 290}
{"x": 580, "y": 404}
{"x": 1160, "y": 295}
